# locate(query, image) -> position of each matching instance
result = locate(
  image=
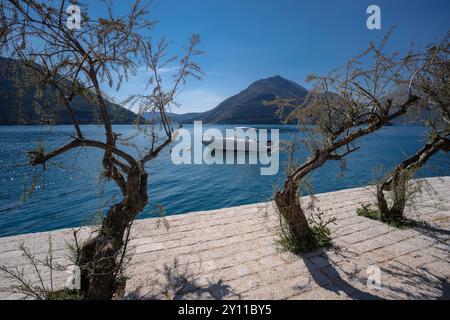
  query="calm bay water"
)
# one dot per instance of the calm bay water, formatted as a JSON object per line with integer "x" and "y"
{"x": 71, "y": 192}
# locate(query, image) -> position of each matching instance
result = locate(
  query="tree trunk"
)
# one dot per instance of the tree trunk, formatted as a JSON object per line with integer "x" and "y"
{"x": 397, "y": 180}
{"x": 98, "y": 256}
{"x": 288, "y": 205}
{"x": 397, "y": 184}
{"x": 395, "y": 212}
{"x": 382, "y": 203}
{"x": 399, "y": 203}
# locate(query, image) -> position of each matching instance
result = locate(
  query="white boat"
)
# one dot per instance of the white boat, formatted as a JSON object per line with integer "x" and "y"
{"x": 235, "y": 142}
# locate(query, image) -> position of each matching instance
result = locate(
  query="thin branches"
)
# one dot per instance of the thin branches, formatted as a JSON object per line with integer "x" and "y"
{"x": 78, "y": 63}
{"x": 344, "y": 106}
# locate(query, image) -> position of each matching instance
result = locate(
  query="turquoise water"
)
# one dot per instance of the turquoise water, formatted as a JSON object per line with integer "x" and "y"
{"x": 71, "y": 193}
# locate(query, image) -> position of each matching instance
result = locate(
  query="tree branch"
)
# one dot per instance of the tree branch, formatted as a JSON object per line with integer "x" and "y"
{"x": 38, "y": 157}
{"x": 418, "y": 159}
{"x": 343, "y": 155}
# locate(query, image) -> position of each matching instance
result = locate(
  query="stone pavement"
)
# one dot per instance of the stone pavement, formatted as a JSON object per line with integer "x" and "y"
{"x": 231, "y": 254}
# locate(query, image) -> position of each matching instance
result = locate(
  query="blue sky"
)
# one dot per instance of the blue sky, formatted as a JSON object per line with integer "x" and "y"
{"x": 245, "y": 40}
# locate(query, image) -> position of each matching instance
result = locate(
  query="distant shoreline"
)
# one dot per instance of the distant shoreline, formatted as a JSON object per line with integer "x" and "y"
{"x": 189, "y": 123}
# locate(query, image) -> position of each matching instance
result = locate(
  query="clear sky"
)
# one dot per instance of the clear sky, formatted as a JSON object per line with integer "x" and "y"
{"x": 245, "y": 40}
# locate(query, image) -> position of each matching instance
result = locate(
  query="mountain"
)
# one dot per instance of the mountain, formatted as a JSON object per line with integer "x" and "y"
{"x": 25, "y": 112}
{"x": 247, "y": 107}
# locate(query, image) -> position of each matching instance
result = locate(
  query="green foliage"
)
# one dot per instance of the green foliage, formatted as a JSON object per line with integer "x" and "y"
{"x": 321, "y": 239}
{"x": 366, "y": 211}
{"x": 395, "y": 193}
{"x": 65, "y": 294}
{"x": 321, "y": 235}
{"x": 403, "y": 188}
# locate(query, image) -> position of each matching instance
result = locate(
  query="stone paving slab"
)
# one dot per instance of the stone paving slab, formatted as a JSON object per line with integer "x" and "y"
{"x": 231, "y": 254}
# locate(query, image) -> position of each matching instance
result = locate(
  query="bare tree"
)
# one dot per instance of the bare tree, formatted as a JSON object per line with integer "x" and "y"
{"x": 77, "y": 63}
{"x": 432, "y": 85}
{"x": 343, "y": 106}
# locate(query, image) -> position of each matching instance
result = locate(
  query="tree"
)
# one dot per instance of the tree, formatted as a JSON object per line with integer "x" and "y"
{"x": 432, "y": 85}
{"x": 345, "y": 105}
{"x": 78, "y": 62}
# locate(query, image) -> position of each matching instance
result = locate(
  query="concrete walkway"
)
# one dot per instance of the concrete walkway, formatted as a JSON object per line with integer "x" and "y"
{"x": 231, "y": 254}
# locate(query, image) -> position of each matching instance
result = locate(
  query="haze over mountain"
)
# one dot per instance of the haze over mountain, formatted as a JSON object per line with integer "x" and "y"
{"x": 25, "y": 113}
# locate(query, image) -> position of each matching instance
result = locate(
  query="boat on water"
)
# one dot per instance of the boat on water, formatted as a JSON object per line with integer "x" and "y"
{"x": 237, "y": 142}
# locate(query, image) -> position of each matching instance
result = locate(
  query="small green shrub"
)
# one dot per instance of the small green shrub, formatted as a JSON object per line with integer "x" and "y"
{"x": 366, "y": 211}
{"x": 65, "y": 294}
{"x": 321, "y": 235}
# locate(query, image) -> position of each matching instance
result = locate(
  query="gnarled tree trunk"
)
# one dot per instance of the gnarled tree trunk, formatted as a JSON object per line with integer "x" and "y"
{"x": 397, "y": 180}
{"x": 395, "y": 212}
{"x": 288, "y": 205}
{"x": 98, "y": 256}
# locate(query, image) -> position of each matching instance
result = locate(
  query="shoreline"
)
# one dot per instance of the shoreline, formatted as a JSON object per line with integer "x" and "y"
{"x": 199, "y": 211}
{"x": 230, "y": 253}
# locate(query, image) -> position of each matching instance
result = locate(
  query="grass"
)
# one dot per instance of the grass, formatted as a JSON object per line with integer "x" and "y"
{"x": 321, "y": 239}
{"x": 65, "y": 294}
{"x": 321, "y": 233}
{"x": 366, "y": 211}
